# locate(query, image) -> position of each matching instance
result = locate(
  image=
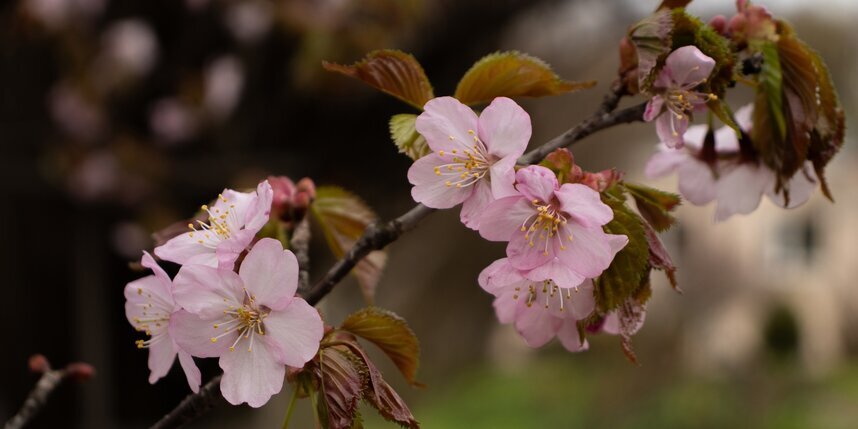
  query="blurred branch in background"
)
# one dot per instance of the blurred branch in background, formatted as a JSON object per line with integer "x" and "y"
{"x": 48, "y": 382}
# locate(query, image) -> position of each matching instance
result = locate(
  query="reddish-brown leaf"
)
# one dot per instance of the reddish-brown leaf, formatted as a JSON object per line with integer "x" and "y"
{"x": 391, "y": 334}
{"x": 391, "y": 71}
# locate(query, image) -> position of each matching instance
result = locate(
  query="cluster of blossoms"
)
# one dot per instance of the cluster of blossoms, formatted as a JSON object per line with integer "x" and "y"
{"x": 556, "y": 242}
{"x": 247, "y": 316}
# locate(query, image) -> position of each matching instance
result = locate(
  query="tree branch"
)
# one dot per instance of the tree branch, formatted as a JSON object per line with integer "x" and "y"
{"x": 49, "y": 381}
{"x": 378, "y": 236}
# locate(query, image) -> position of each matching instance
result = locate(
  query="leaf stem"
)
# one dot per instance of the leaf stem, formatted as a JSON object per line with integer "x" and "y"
{"x": 291, "y": 407}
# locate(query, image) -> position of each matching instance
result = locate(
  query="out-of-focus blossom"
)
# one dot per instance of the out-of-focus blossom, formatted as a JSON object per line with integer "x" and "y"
{"x": 224, "y": 79}
{"x": 249, "y": 20}
{"x": 149, "y": 307}
{"x": 557, "y": 228}
{"x": 55, "y": 14}
{"x": 172, "y": 121}
{"x": 129, "y": 50}
{"x": 97, "y": 176}
{"x": 752, "y": 22}
{"x": 735, "y": 183}
{"x": 676, "y": 96}
{"x": 251, "y": 320}
{"x": 472, "y": 158}
{"x": 539, "y": 309}
{"x": 233, "y": 221}
{"x": 76, "y": 115}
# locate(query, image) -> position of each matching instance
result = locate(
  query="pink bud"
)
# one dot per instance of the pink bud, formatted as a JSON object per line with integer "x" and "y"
{"x": 283, "y": 188}
{"x": 79, "y": 371}
{"x": 39, "y": 364}
{"x": 307, "y": 186}
{"x": 719, "y": 23}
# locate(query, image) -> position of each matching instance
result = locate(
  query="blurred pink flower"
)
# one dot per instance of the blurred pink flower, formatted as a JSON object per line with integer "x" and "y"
{"x": 684, "y": 70}
{"x": 249, "y": 20}
{"x": 251, "y": 320}
{"x": 173, "y": 121}
{"x": 149, "y": 306}
{"x": 77, "y": 116}
{"x": 472, "y": 158}
{"x": 558, "y": 228}
{"x": 58, "y": 13}
{"x": 735, "y": 183}
{"x": 233, "y": 222}
{"x": 538, "y": 308}
{"x": 224, "y": 79}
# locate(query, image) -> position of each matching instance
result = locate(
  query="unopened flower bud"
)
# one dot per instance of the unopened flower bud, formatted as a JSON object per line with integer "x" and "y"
{"x": 79, "y": 371}
{"x": 39, "y": 364}
{"x": 719, "y": 24}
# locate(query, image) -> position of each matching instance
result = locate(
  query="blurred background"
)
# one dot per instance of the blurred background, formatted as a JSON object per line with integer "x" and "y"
{"x": 118, "y": 118}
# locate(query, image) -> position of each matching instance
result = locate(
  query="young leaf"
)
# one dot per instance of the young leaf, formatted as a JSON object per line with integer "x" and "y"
{"x": 659, "y": 258}
{"x": 654, "y": 205}
{"x": 512, "y": 74}
{"x": 342, "y": 380}
{"x": 630, "y": 268}
{"x": 405, "y": 136}
{"x": 651, "y": 38}
{"x": 382, "y": 397}
{"x": 391, "y": 71}
{"x": 343, "y": 217}
{"x": 391, "y": 334}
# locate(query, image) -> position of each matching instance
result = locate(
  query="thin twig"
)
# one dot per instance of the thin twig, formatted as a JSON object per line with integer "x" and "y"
{"x": 48, "y": 382}
{"x": 300, "y": 244}
{"x": 378, "y": 236}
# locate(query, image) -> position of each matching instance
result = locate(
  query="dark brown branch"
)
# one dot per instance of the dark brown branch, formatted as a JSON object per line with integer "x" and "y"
{"x": 300, "y": 244}
{"x": 378, "y": 236}
{"x": 49, "y": 381}
{"x": 193, "y": 406}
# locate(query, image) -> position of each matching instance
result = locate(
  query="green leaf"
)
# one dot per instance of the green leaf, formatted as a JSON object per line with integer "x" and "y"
{"x": 406, "y": 137}
{"x": 343, "y": 217}
{"x": 629, "y": 270}
{"x": 652, "y": 40}
{"x": 342, "y": 379}
{"x": 512, "y": 74}
{"x": 654, "y": 205}
{"x": 391, "y": 334}
{"x": 391, "y": 71}
{"x": 722, "y": 111}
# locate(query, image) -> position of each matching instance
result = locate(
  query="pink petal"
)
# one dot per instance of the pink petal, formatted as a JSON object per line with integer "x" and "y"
{"x": 474, "y": 205}
{"x": 536, "y": 183}
{"x": 653, "y": 108}
{"x": 270, "y": 273}
{"x": 506, "y": 305}
{"x": 536, "y": 325}
{"x": 207, "y": 291}
{"x": 166, "y": 284}
{"x": 235, "y": 206}
{"x": 616, "y": 242}
{"x": 801, "y": 187}
{"x": 584, "y": 205}
{"x": 589, "y": 253}
{"x": 740, "y": 190}
{"x": 258, "y": 213}
{"x": 430, "y": 188}
{"x": 524, "y": 256}
{"x": 745, "y": 117}
{"x": 194, "y": 335}
{"x": 184, "y": 249}
{"x": 670, "y": 129}
{"x": 689, "y": 66}
{"x": 726, "y": 140}
{"x": 695, "y": 135}
{"x": 293, "y": 333}
{"x": 251, "y": 376}
{"x": 505, "y": 217}
{"x": 446, "y": 117}
{"x": 161, "y": 356}
{"x": 502, "y": 177}
{"x": 229, "y": 250}
{"x": 504, "y": 127}
{"x": 192, "y": 373}
{"x": 570, "y": 338}
{"x": 664, "y": 162}
{"x": 555, "y": 270}
{"x": 500, "y": 275}
{"x": 583, "y": 301}
{"x": 147, "y": 297}
{"x": 696, "y": 182}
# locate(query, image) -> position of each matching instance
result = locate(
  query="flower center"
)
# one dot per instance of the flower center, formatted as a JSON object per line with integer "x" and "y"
{"x": 547, "y": 224}
{"x": 246, "y": 319}
{"x": 153, "y": 319}
{"x": 680, "y": 102}
{"x": 217, "y": 228}
{"x": 545, "y": 292}
{"x": 467, "y": 166}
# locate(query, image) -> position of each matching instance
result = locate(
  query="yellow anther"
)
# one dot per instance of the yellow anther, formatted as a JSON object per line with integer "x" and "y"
{"x": 214, "y": 340}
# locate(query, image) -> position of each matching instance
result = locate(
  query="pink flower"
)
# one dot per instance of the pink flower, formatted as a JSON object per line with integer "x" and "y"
{"x": 736, "y": 184}
{"x": 676, "y": 99}
{"x": 538, "y": 308}
{"x": 557, "y": 228}
{"x": 149, "y": 307}
{"x": 251, "y": 320}
{"x": 234, "y": 220}
{"x": 472, "y": 158}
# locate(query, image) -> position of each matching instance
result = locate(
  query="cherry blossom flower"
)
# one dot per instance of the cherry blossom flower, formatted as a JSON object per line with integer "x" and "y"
{"x": 149, "y": 307}
{"x": 676, "y": 97}
{"x": 233, "y": 221}
{"x": 558, "y": 228}
{"x": 539, "y": 309}
{"x": 251, "y": 320}
{"x": 737, "y": 184}
{"x": 472, "y": 157}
